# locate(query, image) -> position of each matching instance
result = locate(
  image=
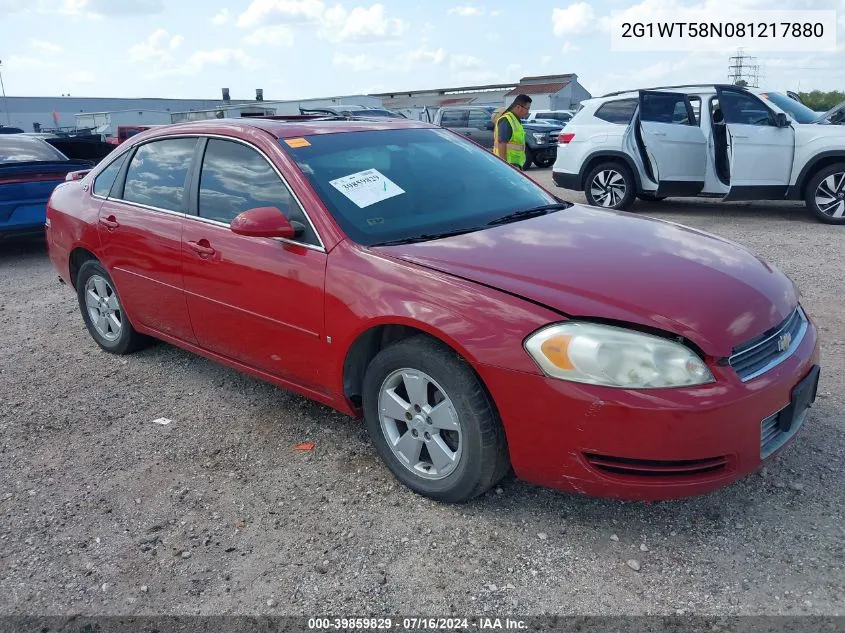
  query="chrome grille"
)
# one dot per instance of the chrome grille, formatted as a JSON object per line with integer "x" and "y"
{"x": 770, "y": 349}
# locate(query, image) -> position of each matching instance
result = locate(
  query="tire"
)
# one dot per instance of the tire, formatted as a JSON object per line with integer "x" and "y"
{"x": 529, "y": 159}
{"x": 547, "y": 161}
{"x": 471, "y": 429}
{"x": 825, "y": 195}
{"x": 97, "y": 295}
{"x": 647, "y": 197}
{"x": 620, "y": 196}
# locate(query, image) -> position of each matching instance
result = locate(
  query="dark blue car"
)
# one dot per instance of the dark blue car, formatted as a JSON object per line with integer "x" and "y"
{"x": 29, "y": 171}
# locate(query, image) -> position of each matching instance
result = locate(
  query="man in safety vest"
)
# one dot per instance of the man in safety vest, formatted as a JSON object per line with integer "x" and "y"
{"x": 509, "y": 135}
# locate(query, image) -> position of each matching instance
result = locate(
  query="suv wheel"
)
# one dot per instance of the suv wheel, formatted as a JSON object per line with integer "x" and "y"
{"x": 611, "y": 186}
{"x": 826, "y": 194}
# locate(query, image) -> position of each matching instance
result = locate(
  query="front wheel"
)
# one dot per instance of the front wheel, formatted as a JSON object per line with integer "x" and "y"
{"x": 545, "y": 160}
{"x": 611, "y": 186}
{"x": 432, "y": 422}
{"x": 826, "y": 194}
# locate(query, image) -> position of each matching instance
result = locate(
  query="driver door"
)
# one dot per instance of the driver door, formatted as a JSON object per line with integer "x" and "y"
{"x": 760, "y": 153}
{"x": 672, "y": 146}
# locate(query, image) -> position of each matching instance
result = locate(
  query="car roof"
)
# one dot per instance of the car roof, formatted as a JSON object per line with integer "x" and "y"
{"x": 285, "y": 128}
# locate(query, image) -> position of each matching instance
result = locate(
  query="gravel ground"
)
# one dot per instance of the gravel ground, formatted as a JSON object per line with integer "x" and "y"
{"x": 106, "y": 512}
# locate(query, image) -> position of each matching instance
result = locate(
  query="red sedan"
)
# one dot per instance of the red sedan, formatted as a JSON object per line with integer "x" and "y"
{"x": 395, "y": 271}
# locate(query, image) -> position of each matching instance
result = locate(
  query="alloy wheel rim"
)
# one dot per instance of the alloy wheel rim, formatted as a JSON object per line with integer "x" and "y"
{"x": 830, "y": 195}
{"x": 420, "y": 423}
{"x": 608, "y": 188}
{"x": 103, "y": 308}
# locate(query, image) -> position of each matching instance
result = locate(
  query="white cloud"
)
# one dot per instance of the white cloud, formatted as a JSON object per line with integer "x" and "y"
{"x": 512, "y": 71}
{"x": 494, "y": 14}
{"x": 221, "y": 17}
{"x": 336, "y": 24}
{"x": 360, "y": 25}
{"x": 158, "y": 47}
{"x": 275, "y": 35}
{"x": 22, "y": 62}
{"x": 261, "y": 12}
{"x": 545, "y": 60}
{"x": 493, "y": 37}
{"x": 465, "y": 62}
{"x": 403, "y": 63}
{"x": 574, "y": 19}
{"x": 47, "y": 47}
{"x": 465, "y": 11}
{"x": 569, "y": 47}
{"x": 200, "y": 60}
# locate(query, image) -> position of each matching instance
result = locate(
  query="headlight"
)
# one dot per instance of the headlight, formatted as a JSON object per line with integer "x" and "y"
{"x": 539, "y": 137}
{"x": 615, "y": 357}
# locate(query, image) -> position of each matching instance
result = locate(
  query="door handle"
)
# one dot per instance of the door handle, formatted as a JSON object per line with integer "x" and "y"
{"x": 110, "y": 222}
{"x": 203, "y": 248}
{"x": 658, "y": 133}
{"x": 739, "y": 136}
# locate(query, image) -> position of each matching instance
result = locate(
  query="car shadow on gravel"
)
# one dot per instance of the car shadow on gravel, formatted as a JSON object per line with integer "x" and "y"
{"x": 22, "y": 248}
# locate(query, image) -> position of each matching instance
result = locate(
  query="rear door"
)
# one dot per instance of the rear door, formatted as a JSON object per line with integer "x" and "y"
{"x": 674, "y": 146}
{"x": 140, "y": 228}
{"x": 760, "y": 153}
{"x": 457, "y": 120}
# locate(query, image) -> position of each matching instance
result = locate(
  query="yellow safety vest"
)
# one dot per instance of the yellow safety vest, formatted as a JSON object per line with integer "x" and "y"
{"x": 515, "y": 148}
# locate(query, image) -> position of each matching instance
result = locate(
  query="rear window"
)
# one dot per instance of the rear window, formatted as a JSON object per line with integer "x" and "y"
{"x": 26, "y": 149}
{"x": 620, "y": 111}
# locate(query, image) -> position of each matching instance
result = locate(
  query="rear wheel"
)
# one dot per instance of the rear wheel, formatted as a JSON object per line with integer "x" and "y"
{"x": 432, "y": 422}
{"x": 826, "y": 194}
{"x": 103, "y": 312}
{"x": 611, "y": 186}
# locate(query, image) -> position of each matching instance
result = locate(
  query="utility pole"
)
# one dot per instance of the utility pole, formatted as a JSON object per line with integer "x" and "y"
{"x": 5, "y": 101}
{"x": 744, "y": 71}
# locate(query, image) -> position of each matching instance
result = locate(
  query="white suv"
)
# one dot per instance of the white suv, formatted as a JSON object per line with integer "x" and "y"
{"x": 717, "y": 141}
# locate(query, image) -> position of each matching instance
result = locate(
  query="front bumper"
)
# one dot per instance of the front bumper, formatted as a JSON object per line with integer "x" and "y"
{"x": 649, "y": 444}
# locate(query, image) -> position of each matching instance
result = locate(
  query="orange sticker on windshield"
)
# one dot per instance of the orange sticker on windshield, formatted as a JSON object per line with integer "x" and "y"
{"x": 297, "y": 142}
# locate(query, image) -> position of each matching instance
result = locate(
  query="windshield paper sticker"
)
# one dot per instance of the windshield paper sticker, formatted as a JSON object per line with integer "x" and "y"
{"x": 367, "y": 187}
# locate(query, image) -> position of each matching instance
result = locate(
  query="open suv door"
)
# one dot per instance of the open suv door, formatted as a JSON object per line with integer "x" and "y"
{"x": 669, "y": 143}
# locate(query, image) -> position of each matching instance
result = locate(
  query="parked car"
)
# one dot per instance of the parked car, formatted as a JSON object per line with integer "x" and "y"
{"x": 30, "y": 169}
{"x": 125, "y": 132}
{"x": 717, "y": 141}
{"x": 89, "y": 147}
{"x": 476, "y": 123}
{"x": 561, "y": 116}
{"x": 354, "y": 111}
{"x": 398, "y": 272}
{"x": 834, "y": 116}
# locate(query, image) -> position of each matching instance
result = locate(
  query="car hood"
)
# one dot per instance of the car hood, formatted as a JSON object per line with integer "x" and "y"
{"x": 587, "y": 262}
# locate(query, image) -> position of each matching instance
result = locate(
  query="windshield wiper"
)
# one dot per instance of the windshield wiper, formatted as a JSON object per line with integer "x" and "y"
{"x": 533, "y": 212}
{"x": 425, "y": 237}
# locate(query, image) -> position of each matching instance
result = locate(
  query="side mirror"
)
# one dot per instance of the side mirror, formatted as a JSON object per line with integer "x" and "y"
{"x": 263, "y": 222}
{"x": 781, "y": 120}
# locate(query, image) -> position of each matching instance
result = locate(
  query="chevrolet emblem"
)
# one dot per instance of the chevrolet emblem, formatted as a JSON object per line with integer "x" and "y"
{"x": 784, "y": 341}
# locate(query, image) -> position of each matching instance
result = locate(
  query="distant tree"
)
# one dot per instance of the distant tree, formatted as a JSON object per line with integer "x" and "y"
{"x": 821, "y": 101}
{"x": 741, "y": 82}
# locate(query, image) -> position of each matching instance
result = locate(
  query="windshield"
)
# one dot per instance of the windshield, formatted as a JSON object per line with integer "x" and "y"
{"x": 388, "y": 185}
{"x": 16, "y": 148}
{"x": 793, "y": 108}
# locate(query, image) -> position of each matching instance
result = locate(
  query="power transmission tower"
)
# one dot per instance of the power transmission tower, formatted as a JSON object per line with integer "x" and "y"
{"x": 743, "y": 70}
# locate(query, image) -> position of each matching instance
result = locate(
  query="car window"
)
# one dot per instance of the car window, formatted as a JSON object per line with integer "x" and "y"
{"x": 666, "y": 107}
{"x": 619, "y": 111}
{"x": 105, "y": 179}
{"x": 743, "y": 108}
{"x": 157, "y": 173}
{"x": 390, "y": 185}
{"x": 454, "y": 118}
{"x": 26, "y": 149}
{"x": 235, "y": 178}
{"x": 695, "y": 102}
{"x": 793, "y": 108}
{"x": 480, "y": 119}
